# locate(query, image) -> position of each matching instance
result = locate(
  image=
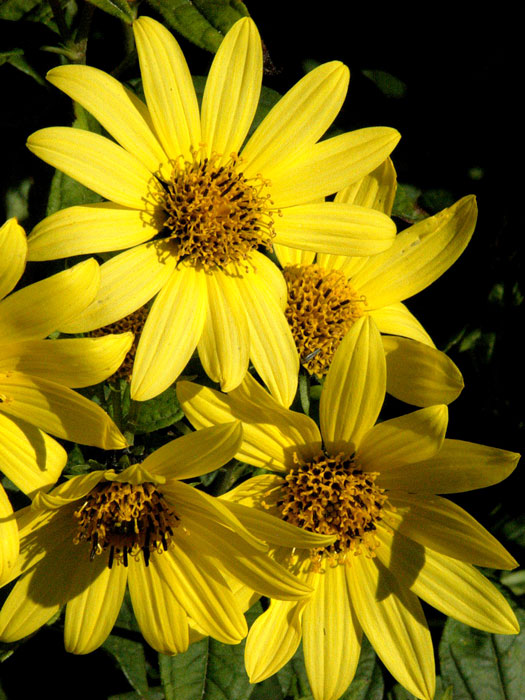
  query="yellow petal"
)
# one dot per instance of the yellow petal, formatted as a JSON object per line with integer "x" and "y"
{"x": 59, "y": 411}
{"x": 224, "y": 346}
{"x": 90, "y": 228}
{"x": 354, "y": 389}
{"x": 8, "y": 537}
{"x": 272, "y": 347}
{"x": 162, "y": 621}
{"x": 397, "y": 442}
{"x": 91, "y": 614}
{"x": 13, "y": 251}
{"x": 332, "y": 227}
{"x": 171, "y": 333}
{"x": 268, "y": 273}
{"x": 112, "y": 105}
{"x": 232, "y": 89}
{"x": 168, "y": 87}
{"x": 29, "y": 458}
{"x": 271, "y": 434}
{"x": 127, "y": 282}
{"x": 328, "y": 166}
{"x": 196, "y": 453}
{"x": 396, "y": 319}
{"x": 446, "y": 528}
{"x": 331, "y": 636}
{"x": 293, "y": 256}
{"x": 73, "y": 362}
{"x": 273, "y": 638}
{"x": 299, "y": 118}
{"x": 392, "y": 619}
{"x": 459, "y": 466}
{"x": 41, "y": 308}
{"x": 96, "y": 162}
{"x": 455, "y": 588}
{"x": 419, "y": 255}
{"x": 419, "y": 374}
{"x": 376, "y": 190}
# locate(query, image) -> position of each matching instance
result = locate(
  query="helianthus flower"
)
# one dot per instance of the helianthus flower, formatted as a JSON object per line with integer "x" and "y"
{"x": 194, "y": 207}
{"x": 83, "y": 542}
{"x": 328, "y": 293}
{"x": 374, "y": 487}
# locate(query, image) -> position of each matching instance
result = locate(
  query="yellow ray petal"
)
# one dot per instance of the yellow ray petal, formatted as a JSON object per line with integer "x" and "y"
{"x": 127, "y": 282}
{"x": 446, "y": 528}
{"x": 268, "y": 272}
{"x": 94, "y": 161}
{"x": 196, "y": 453}
{"x": 224, "y": 346}
{"x": 171, "y": 333}
{"x": 201, "y": 591}
{"x": 396, "y": 319}
{"x": 8, "y": 537}
{"x": 111, "y": 104}
{"x": 41, "y": 308}
{"x": 91, "y": 614}
{"x": 29, "y": 458}
{"x": 404, "y": 440}
{"x": 328, "y": 166}
{"x": 162, "y": 621}
{"x": 90, "y": 228}
{"x": 293, "y": 256}
{"x": 332, "y": 227}
{"x": 252, "y": 492}
{"x": 232, "y": 89}
{"x": 376, "y": 190}
{"x": 73, "y": 362}
{"x": 168, "y": 87}
{"x": 354, "y": 389}
{"x": 455, "y": 588}
{"x": 392, "y": 619}
{"x": 59, "y": 411}
{"x": 419, "y": 374}
{"x": 299, "y": 118}
{"x": 270, "y": 434}
{"x": 331, "y": 636}
{"x": 273, "y": 638}
{"x": 459, "y": 466}
{"x": 272, "y": 348}
{"x": 419, "y": 255}
{"x": 13, "y": 249}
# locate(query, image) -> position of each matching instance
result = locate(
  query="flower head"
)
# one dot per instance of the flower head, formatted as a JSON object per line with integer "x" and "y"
{"x": 172, "y": 544}
{"x": 195, "y": 208}
{"x": 374, "y": 487}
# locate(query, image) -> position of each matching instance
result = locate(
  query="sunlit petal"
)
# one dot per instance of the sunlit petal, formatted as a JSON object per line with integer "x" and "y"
{"x": 13, "y": 248}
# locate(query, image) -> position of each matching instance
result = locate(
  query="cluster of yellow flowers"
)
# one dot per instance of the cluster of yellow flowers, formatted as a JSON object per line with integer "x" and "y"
{"x": 228, "y": 246}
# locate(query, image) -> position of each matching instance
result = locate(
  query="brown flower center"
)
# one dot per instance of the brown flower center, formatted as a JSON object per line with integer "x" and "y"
{"x": 126, "y": 519}
{"x": 212, "y": 214}
{"x": 332, "y": 496}
{"x": 322, "y": 307}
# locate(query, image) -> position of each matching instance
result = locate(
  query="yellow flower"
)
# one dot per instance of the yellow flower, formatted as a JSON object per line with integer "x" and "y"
{"x": 328, "y": 293}
{"x": 374, "y": 486}
{"x": 193, "y": 206}
{"x": 83, "y": 542}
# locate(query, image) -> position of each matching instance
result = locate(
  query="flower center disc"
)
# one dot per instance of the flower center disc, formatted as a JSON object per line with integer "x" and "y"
{"x": 322, "y": 307}
{"x": 213, "y": 214}
{"x": 331, "y": 496}
{"x": 127, "y": 519}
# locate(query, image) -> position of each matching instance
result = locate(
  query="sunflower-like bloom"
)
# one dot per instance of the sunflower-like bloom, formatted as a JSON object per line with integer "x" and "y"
{"x": 374, "y": 486}
{"x": 194, "y": 207}
{"x": 84, "y": 541}
{"x": 328, "y": 293}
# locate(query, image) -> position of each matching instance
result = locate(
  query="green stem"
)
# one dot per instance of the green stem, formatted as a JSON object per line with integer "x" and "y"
{"x": 58, "y": 14}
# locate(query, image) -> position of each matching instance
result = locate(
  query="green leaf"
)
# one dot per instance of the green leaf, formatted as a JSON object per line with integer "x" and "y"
{"x": 406, "y": 205}
{"x": 209, "y": 670}
{"x": 160, "y": 412}
{"x": 400, "y": 693}
{"x": 203, "y": 22}
{"x": 389, "y": 85}
{"x": 118, "y": 8}
{"x": 483, "y": 666}
{"x": 17, "y": 59}
{"x": 17, "y": 9}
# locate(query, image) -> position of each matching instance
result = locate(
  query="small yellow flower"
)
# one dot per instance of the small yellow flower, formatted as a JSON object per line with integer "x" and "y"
{"x": 194, "y": 207}
{"x": 173, "y": 545}
{"x": 372, "y": 486}
{"x": 328, "y": 293}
